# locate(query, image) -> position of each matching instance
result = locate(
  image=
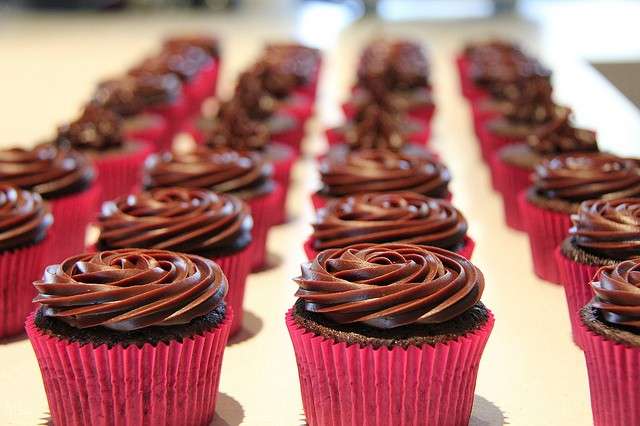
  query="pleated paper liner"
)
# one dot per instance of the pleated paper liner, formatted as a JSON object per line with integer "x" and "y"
{"x": 19, "y": 268}
{"x": 468, "y": 87}
{"x": 119, "y": 173}
{"x": 298, "y": 105}
{"x": 166, "y": 384}
{"x": 72, "y": 214}
{"x": 148, "y": 127}
{"x": 202, "y": 86}
{"x": 613, "y": 379}
{"x": 466, "y": 250}
{"x": 482, "y": 115}
{"x": 264, "y": 210}
{"x": 176, "y": 114}
{"x": 490, "y": 143}
{"x": 352, "y": 385}
{"x": 292, "y": 137}
{"x": 282, "y": 174}
{"x": 509, "y": 181}
{"x": 575, "y": 278}
{"x": 546, "y": 230}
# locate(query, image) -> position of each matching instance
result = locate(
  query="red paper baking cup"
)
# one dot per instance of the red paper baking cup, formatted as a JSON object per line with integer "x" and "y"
{"x": 291, "y": 137}
{"x": 299, "y": 106}
{"x": 156, "y": 131}
{"x": 72, "y": 214}
{"x": 236, "y": 268}
{"x": 202, "y": 85}
{"x": 19, "y": 268}
{"x": 166, "y": 384}
{"x": 175, "y": 113}
{"x": 510, "y": 181}
{"x": 466, "y": 250}
{"x": 264, "y": 210}
{"x": 613, "y": 379}
{"x": 119, "y": 173}
{"x": 423, "y": 113}
{"x": 546, "y": 229}
{"x": 482, "y": 116}
{"x": 490, "y": 143}
{"x": 282, "y": 174}
{"x": 351, "y": 385}
{"x": 575, "y": 278}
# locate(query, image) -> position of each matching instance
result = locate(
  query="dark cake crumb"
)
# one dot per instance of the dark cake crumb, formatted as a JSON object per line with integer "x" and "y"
{"x": 594, "y": 321}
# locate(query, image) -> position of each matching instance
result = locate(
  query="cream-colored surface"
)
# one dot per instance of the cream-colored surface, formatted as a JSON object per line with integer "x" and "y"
{"x": 531, "y": 373}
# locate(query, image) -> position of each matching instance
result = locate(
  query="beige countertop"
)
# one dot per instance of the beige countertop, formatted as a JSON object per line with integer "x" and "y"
{"x": 531, "y": 373}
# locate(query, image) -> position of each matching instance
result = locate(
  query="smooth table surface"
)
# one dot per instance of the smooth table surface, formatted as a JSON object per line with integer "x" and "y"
{"x": 531, "y": 373}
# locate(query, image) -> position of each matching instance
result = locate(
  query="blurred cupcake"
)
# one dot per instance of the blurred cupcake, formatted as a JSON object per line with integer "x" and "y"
{"x": 244, "y": 174}
{"x": 66, "y": 179}
{"x": 396, "y": 217}
{"x": 301, "y": 61}
{"x": 366, "y": 320}
{"x": 603, "y": 233}
{"x": 560, "y": 184}
{"x": 513, "y": 164}
{"x": 99, "y": 134}
{"x": 24, "y": 225}
{"x": 377, "y": 170}
{"x": 609, "y": 335}
{"x": 131, "y": 334}
{"x": 194, "y": 221}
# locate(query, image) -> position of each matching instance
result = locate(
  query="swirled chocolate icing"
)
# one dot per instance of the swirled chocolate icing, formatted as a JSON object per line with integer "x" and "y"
{"x": 399, "y": 64}
{"x": 24, "y": 217}
{"x": 223, "y": 170}
{"x": 207, "y": 43}
{"x": 131, "y": 289}
{"x": 389, "y": 285}
{"x": 97, "y": 129}
{"x": 301, "y": 61}
{"x": 50, "y": 171}
{"x": 609, "y": 229}
{"x": 128, "y": 95}
{"x": 559, "y": 136}
{"x": 234, "y": 128}
{"x": 401, "y": 217}
{"x": 377, "y": 170}
{"x": 579, "y": 177}
{"x": 178, "y": 219}
{"x": 184, "y": 63}
{"x": 617, "y": 293}
{"x": 374, "y": 127}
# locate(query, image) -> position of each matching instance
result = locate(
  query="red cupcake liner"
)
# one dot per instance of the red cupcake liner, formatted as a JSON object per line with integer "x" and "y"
{"x": 175, "y": 114}
{"x": 282, "y": 174}
{"x": 72, "y": 215}
{"x": 264, "y": 210}
{"x": 165, "y": 384}
{"x": 236, "y": 268}
{"x": 490, "y": 143}
{"x": 156, "y": 131}
{"x": 292, "y": 137}
{"x": 119, "y": 174}
{"x": 482, "y": 116}
{"x": 575, "y": 278}
{"x": 19, "y": 268}
{"x": 469, "y": 89}
{"x": 350, "y": 384}
{"x": 466, "y": 250}
{"x": 546, "y": 229}
{"x": 299, "y": 106}
{"x": 613, "y": 379}
{"x": 202, "y": 86}
{"x": 509, "y": 181}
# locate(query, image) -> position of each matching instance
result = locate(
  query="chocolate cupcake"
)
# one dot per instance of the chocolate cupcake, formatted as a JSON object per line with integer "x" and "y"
{"x": 142, "y": 315}
{"x": 560, "y": 184}
{"x": 63, "y": 177}
{"x": 400, "y": 217}
{"x": 378, "y": 170}
{"x": 194, "y": 221}
{"x": 357, "y": 301}
{"x": 25, "y": 220}
{"x": 98, "y": 133}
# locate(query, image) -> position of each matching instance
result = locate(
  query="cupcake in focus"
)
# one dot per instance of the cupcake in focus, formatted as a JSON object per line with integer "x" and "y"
{"x": 366, "y": 320}
{"x": 140, "y": 331}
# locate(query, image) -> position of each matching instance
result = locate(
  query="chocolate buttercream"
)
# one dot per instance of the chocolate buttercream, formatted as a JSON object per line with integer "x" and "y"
{"x": 207, "y": 43}
{"x": 129, "y": 95}
{"x": 389, "y": 285}
{"x": 131, "y": 289}
{"x": 97, "y": 129}
{"x": 559, "y": 136}
{"x": 234, "y": 128}
{"x": 402, "y": 217}
{"x": 301, "y": 61}
{"x": 375, "y": 127}
{"x": 397, "y": 64}
{"x": 617, "y": 293}
{"x": 178, "y": 219}
{"x": 24, "y": 218}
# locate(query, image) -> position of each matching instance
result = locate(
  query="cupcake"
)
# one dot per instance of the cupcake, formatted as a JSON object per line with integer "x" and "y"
{"x": 378, "y": 170}
{"x": 66, "y": 179}
{"x": 244, "y": 174}
{"x": 514, "y": 163}
{"x": 131, "y": 334}
{"x": 609, "y": 334}
{"x": 152, "y": 106}
{"x": 604, "y": 232}
{"x": 560, "y": 184}
{"x": 194, "y": 221}
{"x": 302, "y": 61}
{"x": 98, "y": 133}
{"x": 375, "y": 342}
{"x": 25, "y": 221}
{"x": 395, "y": 217}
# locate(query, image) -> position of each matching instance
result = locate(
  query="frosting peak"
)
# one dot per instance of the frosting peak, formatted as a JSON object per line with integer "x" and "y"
{"x": 24, "y": 218}
{"x": 617, "y": 293}
{"x": 234, "y": 128}
{"x": 373, "y": 127}
{"x": 96, "y": 129}
{"x": 560, "y": 136}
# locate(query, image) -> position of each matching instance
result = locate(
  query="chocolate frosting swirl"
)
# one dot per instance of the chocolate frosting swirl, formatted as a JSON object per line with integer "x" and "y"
{"x": 129, "y": 95}
{"x": 399, "y": 64}
{"x": 178, "y": 219}
{"x": 131, "y": 289}
{"x": 97, "y": 129}
{"x": 579, "y": 177}
{"x": 234, "y": 128}
{"x": 50, "y": 171}
{"x": 401, "y": 217}
{"x": 377, "y": 170}
{"x": 374, "y": 127}
{"x": 298, "y": 60}
{"x": 223, "y": 170}
{"x": 560, "y": 136}
{"x": 617, "y": 293}
{"x": 205, "y": 42}
{"x": 610, "y": 229}
{"x": 24, "y": 218}
{"x": 389, "y": 285}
